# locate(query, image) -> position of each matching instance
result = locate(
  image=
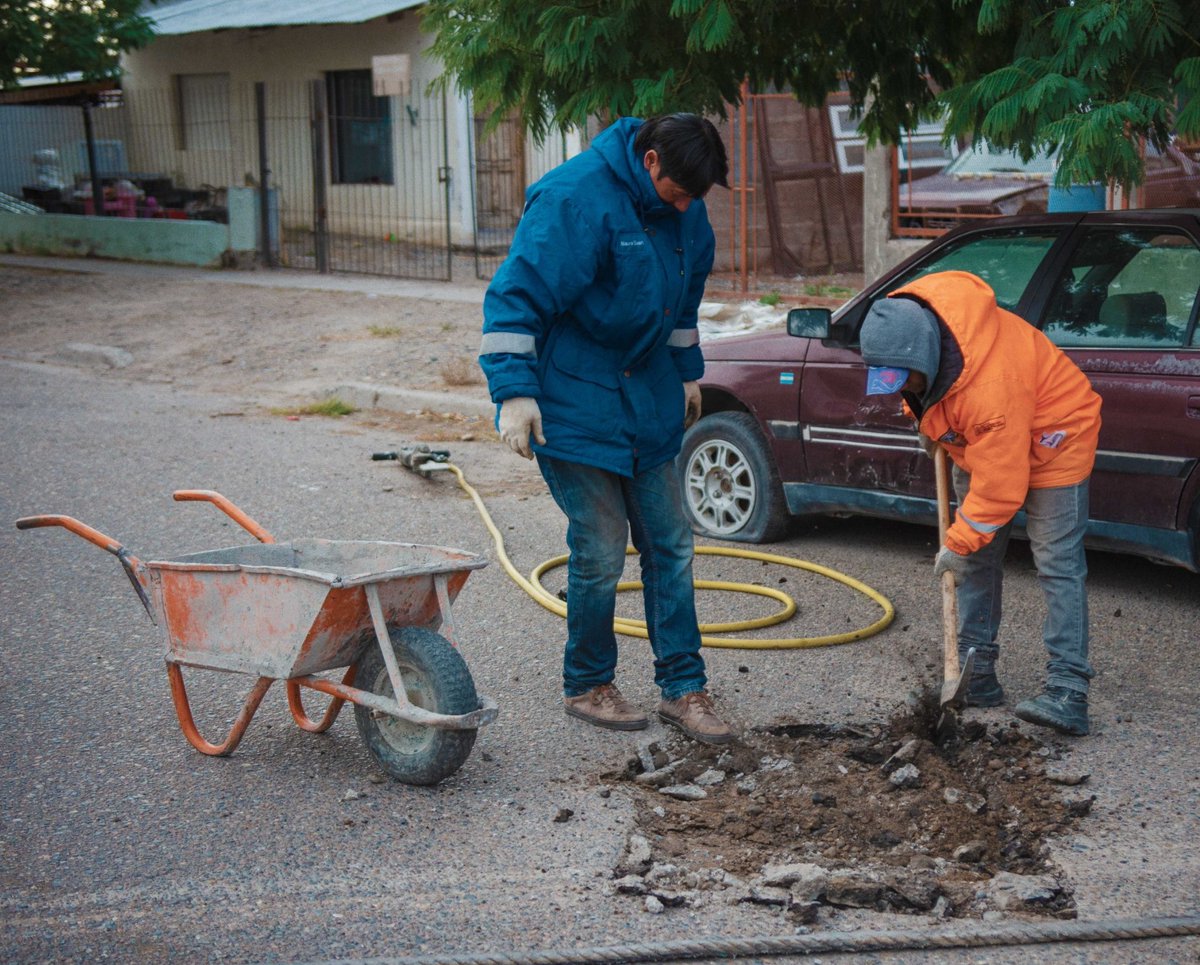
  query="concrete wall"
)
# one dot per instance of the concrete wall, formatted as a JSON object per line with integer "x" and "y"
{"x": 202, "y": 243}
{"x": 880, "y": 250}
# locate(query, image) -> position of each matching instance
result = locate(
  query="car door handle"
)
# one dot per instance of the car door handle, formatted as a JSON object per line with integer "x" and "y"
{"x": 1193, "y": 407}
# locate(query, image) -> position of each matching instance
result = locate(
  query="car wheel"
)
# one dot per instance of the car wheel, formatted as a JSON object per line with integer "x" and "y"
{"x": 731, "y": 488}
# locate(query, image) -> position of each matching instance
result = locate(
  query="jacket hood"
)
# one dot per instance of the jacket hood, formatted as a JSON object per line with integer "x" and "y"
{"x": 966, "y": 305}
{"x": 903, "y": 333}
{"x": 615, "y": 145}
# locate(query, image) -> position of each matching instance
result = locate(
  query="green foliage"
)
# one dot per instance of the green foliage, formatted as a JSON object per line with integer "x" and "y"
{"x": 57, "y": 37}
{"x": 332, "y": 407}
{"x": 1089, "y": 77}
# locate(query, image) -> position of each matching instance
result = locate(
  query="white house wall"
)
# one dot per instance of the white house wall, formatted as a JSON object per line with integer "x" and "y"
{"x": 286, "y": 59}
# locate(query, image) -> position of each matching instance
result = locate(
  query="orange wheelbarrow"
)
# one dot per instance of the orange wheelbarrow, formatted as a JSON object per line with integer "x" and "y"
{"x": 289, "y": 611}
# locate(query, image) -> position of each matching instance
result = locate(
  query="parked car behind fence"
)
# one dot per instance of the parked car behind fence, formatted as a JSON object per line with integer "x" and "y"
{"x": 986, "y": 183}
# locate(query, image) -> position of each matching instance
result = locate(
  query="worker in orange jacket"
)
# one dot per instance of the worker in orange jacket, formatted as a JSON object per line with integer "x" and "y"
{"x": 1021, "y": 423}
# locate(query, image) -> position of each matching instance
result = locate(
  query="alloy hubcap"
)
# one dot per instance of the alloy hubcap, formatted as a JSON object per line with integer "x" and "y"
{"x": 720, "y": 487}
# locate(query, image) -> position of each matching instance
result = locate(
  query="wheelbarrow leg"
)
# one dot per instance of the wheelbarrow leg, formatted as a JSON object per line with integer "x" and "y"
{"x": 188, "y": 725}
{"x": 296, "y": 705}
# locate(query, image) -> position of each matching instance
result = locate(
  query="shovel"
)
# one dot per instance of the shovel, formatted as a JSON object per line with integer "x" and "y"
{"x": 954, "y": 678}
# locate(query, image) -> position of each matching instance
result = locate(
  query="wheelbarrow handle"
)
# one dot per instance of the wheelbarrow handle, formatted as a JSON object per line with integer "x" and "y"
{"x": 132, "y": 565}
{"x": 76, "y": 527}
{"x": 228, "y": 508}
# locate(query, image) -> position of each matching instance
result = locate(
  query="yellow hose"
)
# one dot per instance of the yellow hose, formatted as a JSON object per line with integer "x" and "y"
{"x": 637, "y": 628}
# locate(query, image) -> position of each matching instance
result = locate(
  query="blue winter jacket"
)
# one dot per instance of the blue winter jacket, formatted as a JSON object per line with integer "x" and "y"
{"x": 593, "y": 313}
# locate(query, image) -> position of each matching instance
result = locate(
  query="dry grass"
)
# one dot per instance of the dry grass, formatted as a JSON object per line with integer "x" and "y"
{"x": 461, "y": 371}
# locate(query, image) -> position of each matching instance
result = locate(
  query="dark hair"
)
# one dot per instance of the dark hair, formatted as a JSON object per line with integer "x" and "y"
{"x": 690, "y": 151}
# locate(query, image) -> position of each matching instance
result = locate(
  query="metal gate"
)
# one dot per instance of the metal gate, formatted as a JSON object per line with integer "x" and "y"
{"x": 499, "y": 185}
{"x": 378, "y": 184}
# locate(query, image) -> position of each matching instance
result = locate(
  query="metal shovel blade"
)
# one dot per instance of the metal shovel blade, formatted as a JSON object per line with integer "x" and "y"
{"x": 954, "y": 692}
{"x": 954, "y": 698}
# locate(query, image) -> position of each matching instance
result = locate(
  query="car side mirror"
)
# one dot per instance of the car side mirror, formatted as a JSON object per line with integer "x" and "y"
{"x": 809, "y": 322}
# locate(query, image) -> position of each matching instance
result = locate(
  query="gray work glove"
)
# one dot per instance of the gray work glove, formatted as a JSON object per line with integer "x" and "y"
{"x": 929, "y": 445}
{"x": 948, "y": 561}
{"x": 691, "y": 403}
{"x": 519, "y": 418}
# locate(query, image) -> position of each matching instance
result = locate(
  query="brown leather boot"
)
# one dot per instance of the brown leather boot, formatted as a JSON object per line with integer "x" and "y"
{"x": 605, "y": 707}
{"x": 695, "y": 715}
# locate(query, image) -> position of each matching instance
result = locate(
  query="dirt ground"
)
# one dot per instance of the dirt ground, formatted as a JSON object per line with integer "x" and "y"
{"x": 289, "y": 345}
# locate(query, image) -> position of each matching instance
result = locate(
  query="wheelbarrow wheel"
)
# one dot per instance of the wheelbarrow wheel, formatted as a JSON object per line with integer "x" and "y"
{"x": 436, "y": 678}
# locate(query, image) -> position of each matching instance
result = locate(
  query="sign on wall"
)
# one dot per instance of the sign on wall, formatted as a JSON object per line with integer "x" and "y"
{"x": 391, "y": 75}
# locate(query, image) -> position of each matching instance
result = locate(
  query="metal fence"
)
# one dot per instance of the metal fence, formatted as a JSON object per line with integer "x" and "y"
{"x": 355, "y": 183}
{"x": 793, "y": 213}
{"x": 359, "y": 183}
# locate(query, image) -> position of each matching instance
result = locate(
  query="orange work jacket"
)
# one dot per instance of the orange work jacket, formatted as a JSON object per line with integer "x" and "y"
{"x": 1020, "y": 416}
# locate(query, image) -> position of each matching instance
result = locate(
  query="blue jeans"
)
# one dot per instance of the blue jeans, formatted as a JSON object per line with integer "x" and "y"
{"x": 1055, "y": 520}
{"x": 603, "y": 509}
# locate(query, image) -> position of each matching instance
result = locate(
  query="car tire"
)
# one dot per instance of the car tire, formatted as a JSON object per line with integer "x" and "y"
{"x": 731, "y": 488}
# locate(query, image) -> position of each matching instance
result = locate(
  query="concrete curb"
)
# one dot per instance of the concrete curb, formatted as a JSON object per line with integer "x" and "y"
{"x": 365, "y": 395}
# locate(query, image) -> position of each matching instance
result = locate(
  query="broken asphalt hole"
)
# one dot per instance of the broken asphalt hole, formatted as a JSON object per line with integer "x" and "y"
{"x": 807, "y": 817}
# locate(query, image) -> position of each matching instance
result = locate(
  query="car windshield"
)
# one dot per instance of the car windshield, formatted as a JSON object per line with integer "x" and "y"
{"x": 981, "y": 160}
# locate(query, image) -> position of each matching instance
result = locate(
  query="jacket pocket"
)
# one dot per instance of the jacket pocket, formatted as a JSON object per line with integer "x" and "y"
{"x": 633, "y": 257}
{"x": 582, "y": 389}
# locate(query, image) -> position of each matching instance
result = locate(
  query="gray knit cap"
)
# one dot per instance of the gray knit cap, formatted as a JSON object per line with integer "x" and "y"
{"x": 903, "y": 333}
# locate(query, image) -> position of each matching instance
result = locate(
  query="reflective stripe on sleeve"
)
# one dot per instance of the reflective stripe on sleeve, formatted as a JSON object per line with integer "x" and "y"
{"x": 496, "y": 343}
{"x": 979, "y": 527}
{"x": 684, "y": 338}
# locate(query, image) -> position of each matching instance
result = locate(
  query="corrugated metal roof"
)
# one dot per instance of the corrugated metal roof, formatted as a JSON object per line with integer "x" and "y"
{"x": 190, "y": 16}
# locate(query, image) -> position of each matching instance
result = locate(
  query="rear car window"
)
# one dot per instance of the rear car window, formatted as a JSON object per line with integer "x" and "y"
{"x": 1005, "y": 260}
{"x": 1127, "y": 288}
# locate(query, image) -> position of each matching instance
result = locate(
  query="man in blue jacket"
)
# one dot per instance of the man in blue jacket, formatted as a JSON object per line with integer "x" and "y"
{"x": 591, "y": 351}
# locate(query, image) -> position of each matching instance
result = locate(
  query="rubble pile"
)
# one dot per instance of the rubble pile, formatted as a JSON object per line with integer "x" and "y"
{"x": 804, "y": 816}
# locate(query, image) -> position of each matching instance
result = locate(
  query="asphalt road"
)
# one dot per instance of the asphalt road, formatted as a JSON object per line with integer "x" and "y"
{"x": 121, "y": 843}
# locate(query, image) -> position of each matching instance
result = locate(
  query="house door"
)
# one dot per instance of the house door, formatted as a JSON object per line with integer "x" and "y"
{"x": 499, "y": 188}
{"x": 380, "y": 180}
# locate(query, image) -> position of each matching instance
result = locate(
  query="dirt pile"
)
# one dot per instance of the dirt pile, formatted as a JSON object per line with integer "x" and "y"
{"x": 802, "y": 815}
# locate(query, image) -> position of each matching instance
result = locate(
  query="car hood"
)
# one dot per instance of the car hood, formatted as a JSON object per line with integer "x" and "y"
{"x": 945, "y": 190}
{"x": 774, "y": 346}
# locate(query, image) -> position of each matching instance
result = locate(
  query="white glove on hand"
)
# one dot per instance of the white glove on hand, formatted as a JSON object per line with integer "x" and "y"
{"x": 948, "y": 561}
{"x": 691, "y": 403}
{"x": 519, "y": 417}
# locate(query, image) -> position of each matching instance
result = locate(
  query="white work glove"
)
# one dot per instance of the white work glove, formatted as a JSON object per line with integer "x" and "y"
{"x": 519, "y": 417}
{"x": 691, "y": 403}
{"x": 948, "y": 561}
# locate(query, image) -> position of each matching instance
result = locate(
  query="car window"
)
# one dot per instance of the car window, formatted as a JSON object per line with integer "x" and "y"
{"x": 1126, "y": 288}
{"x": 1005, "y": 260}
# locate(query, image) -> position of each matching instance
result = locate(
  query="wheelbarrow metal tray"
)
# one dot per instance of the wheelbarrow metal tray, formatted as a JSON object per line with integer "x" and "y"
{"x": 286, "y": 610}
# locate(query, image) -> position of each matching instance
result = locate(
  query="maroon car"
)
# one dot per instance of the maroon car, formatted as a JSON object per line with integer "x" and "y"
{"x": 788, "y": 430}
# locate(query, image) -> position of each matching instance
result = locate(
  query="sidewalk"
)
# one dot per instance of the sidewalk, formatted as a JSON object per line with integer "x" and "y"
{"x": 467, "y": 291}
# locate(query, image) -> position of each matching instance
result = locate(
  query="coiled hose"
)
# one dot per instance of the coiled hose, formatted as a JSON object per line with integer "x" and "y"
{"x": 637, "y": 628}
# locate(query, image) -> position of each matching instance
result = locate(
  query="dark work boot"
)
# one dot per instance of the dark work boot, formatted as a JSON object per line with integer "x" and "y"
{"x": 1064, "y": 710}
{"x": 984, "y": 690}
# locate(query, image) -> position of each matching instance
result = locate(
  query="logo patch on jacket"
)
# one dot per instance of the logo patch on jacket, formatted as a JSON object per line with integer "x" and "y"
{"x": 992, "y": 425}
{"x": 1052, "y": 440}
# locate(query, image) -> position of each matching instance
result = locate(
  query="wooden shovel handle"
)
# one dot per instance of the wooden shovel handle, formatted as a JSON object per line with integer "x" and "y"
{"x": 950, "y": 667}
